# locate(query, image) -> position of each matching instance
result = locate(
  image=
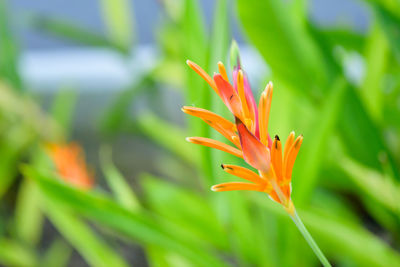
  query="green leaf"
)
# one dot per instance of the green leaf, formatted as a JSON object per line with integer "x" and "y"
{"x": 95, "y": 251}
{"x": 377, "y": 56}
{"x": 119, "y": 186}
{"x": 29, "y": 218}
{"x": 9, "y": 53}
{"x": 309, "y": 163}
{"x": 382, "y": 189}
{"x": 341, "y": 240}
{"x": 72, "y": 32}
{"x": 57, "y": 255}
{"x": 283, "y": 41}
{"x": 62, "y": 110}
{"x": 137, "y": 226}
{"x": 357, "y": 129}
{"x": 201, "y": 221}
{"x": 390, "y": 24}
{"x": 115, "y": 116}
{"x": 13, "y": 254}
{"x": 197, "y": 91}
{"x": 168, "y": 136}
{"x": 117, "y": 16}
{"x": 234, "y": 54}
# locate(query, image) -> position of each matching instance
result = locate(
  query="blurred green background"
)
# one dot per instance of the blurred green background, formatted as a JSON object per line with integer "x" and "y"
{"x": 111, "y": 75}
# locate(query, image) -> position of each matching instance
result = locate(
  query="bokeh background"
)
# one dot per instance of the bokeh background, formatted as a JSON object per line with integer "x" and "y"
{"x": 111, "y": 76}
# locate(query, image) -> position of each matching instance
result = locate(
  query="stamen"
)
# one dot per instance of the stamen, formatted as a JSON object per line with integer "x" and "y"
{"x": 203, "y": 74}
{"x": 215, "y": 144}
{"x": 263, "y": 112}
{"x": 276, "y": 158}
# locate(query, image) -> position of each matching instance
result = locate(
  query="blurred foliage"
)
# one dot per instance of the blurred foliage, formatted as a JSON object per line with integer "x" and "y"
{"x": 346, "y": 181}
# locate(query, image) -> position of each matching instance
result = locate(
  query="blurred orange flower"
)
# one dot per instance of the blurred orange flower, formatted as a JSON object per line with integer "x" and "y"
{"x": 70, "y": 163}
{"x": 249, "y": 135}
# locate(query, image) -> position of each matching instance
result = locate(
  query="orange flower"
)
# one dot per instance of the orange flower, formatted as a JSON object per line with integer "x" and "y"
{"x": 70, "y": 164}
{"x": 249, "y": 135}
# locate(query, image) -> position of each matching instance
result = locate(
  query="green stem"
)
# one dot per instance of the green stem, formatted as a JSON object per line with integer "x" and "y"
{"x": 307, "y": 236}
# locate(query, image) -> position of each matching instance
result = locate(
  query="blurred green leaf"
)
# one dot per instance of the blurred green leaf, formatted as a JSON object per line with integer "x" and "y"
{"x": 309, "y": 163}
{"x": 167, "y": 135}
{"x": 342, "y": 240}
{"x": 13, "y": 254}
{"x": 382, "y": 189}
{"x": 117, "y": 15}
{"x": 72, "y": 32}
{"x": 197, "y": 92}
{"x": 119, "y": 186}
{"x": 115, "y": 116}
{"x": 283, "y": 41}
{"x": 202, "y": 221}
{"x": 390, "y": 24}
{"x": 63, "y": 111}
{"x": 29, "y": 218}
{"x": 95, "y": 251}
{"x": 138, "y": 226}
{"x": 9, "y": 53}
{"x": 57, "y": 255}
{"x": 362, "y": 137}
{"x": 377, "y": 52}
{"x": 342, "y": 37}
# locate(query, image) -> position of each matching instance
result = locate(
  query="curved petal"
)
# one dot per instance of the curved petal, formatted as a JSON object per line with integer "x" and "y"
{"x": 254, "y": 152}
{"x": 228, "y": 95}
{"x": 251, "y": 103}
{"x": 243, "y": 173}
{"x": 222, "y": 125}
{"x": 203, "y": 74}
{"x": 276, "y": 158}
{"x": 292, "y": 154}
{"x": 215, "y": 144}
{"x": 233, "y": 186}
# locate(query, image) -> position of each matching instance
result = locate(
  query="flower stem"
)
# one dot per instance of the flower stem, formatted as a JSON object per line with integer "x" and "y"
{"x": 307, "y": 236}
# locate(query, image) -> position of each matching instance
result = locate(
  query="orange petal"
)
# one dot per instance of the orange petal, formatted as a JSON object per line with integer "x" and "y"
{"x": 232, "y": 186}
{"x": 215, "y": 144}
{"x": 254, "y": 152}
{"x": 276, "y": 157}
{"x": 242, "y": 96}
{"x": 222, "y": 125}
{"x": 203, "y": 75}
{"x": 222, "y": 71}
{"x": 263, "y": 112}
{"x": 228, "y": 95}
{"x": 292, "y": 156}
{"x": 243, "y": 173}
{"x": 288, "y": 145}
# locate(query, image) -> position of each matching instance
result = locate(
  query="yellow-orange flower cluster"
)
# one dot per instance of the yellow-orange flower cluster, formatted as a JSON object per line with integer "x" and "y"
{"x": 249, "y": 135}
{"x": 70, "y": 164}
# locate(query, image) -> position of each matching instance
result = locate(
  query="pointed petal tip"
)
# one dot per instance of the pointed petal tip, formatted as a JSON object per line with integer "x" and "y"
{"x": 189, "y": 62}
{"x": 217, "y": 76}
{"x": 213, "y": 188}
{"x": 189, "y": 139}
